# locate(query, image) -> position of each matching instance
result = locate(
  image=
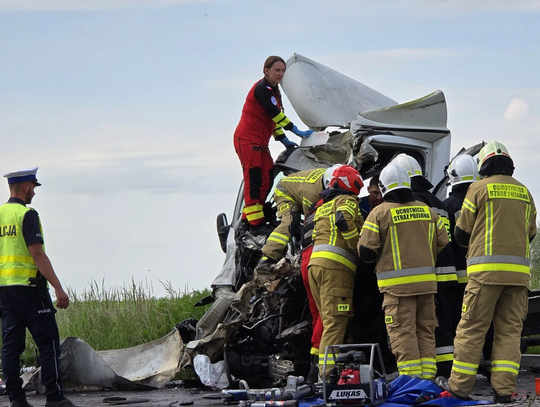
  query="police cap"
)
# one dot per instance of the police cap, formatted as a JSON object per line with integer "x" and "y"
{"x": 26, "y": 175}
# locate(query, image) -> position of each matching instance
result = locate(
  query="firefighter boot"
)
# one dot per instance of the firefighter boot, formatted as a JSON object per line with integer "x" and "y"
{"x": 442, "y": 382}
{"x": 313, "y": 375}
{"x": 500, "y": 399}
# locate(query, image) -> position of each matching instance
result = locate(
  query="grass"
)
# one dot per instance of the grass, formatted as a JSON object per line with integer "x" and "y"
{"x": 122, "y": 317}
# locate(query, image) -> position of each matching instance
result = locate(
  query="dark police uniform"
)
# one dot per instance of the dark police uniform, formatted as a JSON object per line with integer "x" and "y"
{"x": 26, "y": 306}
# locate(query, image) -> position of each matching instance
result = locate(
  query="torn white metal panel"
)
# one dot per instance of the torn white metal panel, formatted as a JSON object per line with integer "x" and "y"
{"x": 323, "y": 97}
{"x": 420, "y": 125}
{"x": 150, "y": 365}
{"x": 427, "y": 114}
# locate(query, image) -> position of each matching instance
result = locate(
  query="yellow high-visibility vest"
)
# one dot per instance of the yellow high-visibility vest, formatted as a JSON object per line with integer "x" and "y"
{"x": 16, "y": 263}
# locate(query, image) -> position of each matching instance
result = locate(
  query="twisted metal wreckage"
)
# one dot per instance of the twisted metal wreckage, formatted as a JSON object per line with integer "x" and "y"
{"x": 258, "y": 328}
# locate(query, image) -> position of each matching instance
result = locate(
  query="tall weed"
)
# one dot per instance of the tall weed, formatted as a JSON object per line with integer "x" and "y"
{"x": 122, "y": 317}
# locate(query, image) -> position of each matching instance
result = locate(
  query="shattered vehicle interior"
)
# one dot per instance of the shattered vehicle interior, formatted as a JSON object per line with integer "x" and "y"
{"x": 263, "y": 332}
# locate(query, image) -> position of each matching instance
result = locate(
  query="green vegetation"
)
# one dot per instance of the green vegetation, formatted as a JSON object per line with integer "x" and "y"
{"x": 122, "y": 317}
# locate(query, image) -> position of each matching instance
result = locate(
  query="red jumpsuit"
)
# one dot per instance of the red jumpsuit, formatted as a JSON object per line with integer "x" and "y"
{"x": 262, "y": 117}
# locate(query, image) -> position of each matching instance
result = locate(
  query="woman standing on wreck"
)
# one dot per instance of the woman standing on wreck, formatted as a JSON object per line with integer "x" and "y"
{"x": 262, "y": 117}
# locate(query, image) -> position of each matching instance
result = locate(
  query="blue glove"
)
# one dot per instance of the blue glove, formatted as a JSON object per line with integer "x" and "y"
{"x": 301, "y": 133}
{"x": 288, "y": 143}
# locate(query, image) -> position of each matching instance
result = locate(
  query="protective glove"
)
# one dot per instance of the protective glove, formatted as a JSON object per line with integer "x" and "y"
{"x": 288, "y": 143}
{"x": 301, "y": 133}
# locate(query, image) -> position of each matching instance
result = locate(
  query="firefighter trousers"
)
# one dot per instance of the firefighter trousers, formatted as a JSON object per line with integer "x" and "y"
{"x": 445, "y": 307}
{"x": 332, "y": 290}
{"x": 410, "y": 322}
{"x": 482, "y": 303}
{"x": 276, "y": 243}
{"x": 257, "y": 168}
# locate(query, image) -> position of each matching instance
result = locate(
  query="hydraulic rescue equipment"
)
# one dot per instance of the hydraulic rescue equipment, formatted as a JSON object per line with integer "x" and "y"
{"x": 352, "y": 381}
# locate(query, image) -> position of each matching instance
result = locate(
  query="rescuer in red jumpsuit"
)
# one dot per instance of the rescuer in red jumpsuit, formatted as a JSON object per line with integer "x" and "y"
{"x": 262, "y": 117}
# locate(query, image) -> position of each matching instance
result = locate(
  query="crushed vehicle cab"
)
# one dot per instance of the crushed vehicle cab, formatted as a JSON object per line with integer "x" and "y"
{"x": 263, "y": 333}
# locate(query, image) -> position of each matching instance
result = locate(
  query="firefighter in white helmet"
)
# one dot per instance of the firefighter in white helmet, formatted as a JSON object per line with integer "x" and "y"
{"x": 445, "y": 267}
{"x": 497, "y": 223}
{"x": 332, "y": 266}
{"x": 404, "y": 236}
{"x": 462, "y": 172}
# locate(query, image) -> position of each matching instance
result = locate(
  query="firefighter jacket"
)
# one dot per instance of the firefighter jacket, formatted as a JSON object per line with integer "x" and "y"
{"x": 302, "y": 188}
{"x": 262, "y": 115}
{"x": 445, "y": 267}
{"x": 294, "y": 195}
{"x": 407, "y": 239}
{"x": 500, "y": 216}
{"x": 16, "y": 263}
{"x": 453, "y": 206}
{"x": 335, "y": 235}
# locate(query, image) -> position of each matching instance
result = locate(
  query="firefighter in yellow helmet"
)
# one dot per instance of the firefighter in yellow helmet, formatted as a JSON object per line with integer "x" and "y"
{"x": 333, "y": 262}
{"x": 497, "y": 223}
{"x": 404, "y": 236}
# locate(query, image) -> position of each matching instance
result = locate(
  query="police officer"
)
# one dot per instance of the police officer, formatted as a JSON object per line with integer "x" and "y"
{"x": 404, "y": 237}
{"x": 25, "y": 302}
{"x": 445, "y": 267}
{"x": 333, "y": 262}
{"x": 497, "y": 223}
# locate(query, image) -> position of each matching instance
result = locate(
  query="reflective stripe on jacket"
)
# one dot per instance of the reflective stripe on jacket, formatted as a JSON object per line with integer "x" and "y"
{"x": 336, "y": 231}
{"x": 302, "y": 187}
{"x": 16, "y": 263}
{"x": 256, "y": 124}
{"x": 499, "y": 214}
{"x": 407, "y": 238}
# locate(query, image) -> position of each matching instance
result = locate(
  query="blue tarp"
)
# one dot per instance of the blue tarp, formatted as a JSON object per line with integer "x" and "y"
{"x": 405, "y": 390}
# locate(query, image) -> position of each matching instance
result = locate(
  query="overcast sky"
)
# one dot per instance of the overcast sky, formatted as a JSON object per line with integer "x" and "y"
{"x": 129, "y": 106}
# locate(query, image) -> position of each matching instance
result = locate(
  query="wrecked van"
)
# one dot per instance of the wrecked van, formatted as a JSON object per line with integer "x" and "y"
{"x": 263, "y": 335}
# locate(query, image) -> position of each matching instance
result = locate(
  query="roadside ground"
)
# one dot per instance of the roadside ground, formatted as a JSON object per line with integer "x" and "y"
{"x": 184, "y": 394}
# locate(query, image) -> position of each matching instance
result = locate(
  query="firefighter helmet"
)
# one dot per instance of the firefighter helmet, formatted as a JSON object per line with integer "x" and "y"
{"x": 409, "y": 164}
{"x": 463, "y": 169}
{"x": 491, "y": 149}
{"x": 347, "y": 178}
{"x": 393, "y": 177}
{"x": 328, "y": 175}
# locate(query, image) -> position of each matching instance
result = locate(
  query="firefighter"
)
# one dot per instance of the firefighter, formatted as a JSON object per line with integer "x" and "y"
{"x": 403, "y": 237}
{"x": 497, "y": 224}
{"x": 332, "y": 265}
{"x": 462, "y": 172}
{"x": 294, "y": 196}
{"x": 369, "y": 325}
{"x": 262, "y": 116}
{"x": 445, "y": 269}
